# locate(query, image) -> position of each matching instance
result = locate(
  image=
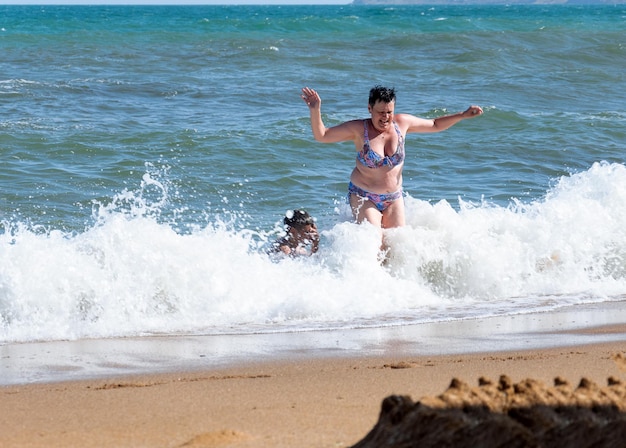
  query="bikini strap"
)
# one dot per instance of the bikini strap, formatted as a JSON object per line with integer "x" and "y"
{"x": 397, "y": 130}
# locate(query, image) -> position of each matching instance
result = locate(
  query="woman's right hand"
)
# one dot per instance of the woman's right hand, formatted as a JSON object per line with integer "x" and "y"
{"x": 311, "y": 98}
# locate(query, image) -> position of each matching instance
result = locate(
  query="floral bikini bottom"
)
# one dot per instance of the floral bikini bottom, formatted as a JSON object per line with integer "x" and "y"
{"x": 381, "y": 201}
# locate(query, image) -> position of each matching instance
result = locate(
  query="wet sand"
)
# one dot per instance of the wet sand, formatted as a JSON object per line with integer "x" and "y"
{"x": 319, "y": 389}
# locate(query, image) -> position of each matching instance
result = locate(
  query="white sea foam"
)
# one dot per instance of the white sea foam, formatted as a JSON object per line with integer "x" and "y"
{"x": 130, "y": 274}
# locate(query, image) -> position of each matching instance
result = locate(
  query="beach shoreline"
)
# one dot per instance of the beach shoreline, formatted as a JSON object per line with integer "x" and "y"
{"x": 53, "y": 361}
{"x": 322, "y": 402}
{"x": 298, "y": 396}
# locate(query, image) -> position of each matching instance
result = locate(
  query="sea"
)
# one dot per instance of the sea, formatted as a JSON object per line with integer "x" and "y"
{"x": 150, "y": 153}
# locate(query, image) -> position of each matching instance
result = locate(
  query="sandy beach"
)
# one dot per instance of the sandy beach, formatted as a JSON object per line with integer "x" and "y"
{"x": 304, "y": 398}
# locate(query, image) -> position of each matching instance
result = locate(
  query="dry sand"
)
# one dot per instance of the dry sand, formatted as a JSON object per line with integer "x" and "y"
{"x": 304, "y": 402}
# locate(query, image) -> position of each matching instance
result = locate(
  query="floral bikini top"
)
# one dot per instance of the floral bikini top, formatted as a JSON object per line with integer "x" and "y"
{"x": 372, "y": 159}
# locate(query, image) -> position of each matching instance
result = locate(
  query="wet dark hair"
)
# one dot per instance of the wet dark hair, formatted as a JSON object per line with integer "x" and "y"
{"x": 298, "y": 218}
{"x": 384, "y": 94}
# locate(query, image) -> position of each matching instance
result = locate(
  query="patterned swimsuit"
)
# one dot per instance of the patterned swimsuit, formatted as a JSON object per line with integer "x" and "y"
{"x": 373, "y": 160}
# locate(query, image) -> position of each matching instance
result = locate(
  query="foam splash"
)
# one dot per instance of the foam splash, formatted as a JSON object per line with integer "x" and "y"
{"x": 571, "y": 242}
{"x": 133, "y": 274}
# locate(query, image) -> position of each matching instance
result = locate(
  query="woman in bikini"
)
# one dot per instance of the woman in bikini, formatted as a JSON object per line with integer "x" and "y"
{"x": 375, "y": 188}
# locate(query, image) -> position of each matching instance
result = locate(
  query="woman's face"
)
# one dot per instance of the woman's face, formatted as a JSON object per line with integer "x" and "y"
{"x": 382, "y": 114}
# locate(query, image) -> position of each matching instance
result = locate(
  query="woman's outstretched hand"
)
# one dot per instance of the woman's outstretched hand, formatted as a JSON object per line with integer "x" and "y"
{"x": 311, "y": 98}
{"x": 473, "y": 111}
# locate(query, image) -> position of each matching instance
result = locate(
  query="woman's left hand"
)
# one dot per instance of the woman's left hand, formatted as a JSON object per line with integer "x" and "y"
{"x": 473, "y": 111}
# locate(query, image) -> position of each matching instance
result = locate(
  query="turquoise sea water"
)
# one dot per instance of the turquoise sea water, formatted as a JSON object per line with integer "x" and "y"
{"x": 150, "y": 153}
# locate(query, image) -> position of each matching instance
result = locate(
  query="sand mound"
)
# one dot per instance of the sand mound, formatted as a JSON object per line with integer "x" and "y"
{"x": 214, "y": 439}
{"x": 503, "y": 414}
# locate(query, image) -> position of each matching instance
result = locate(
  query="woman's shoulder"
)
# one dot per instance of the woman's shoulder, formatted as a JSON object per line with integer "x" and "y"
{"x": 406, "y": 121}
{"x": 356, "y": 123}
{"x": 350, "y": 130}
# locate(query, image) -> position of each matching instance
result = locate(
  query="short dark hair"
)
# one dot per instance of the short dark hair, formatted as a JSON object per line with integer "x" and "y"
{"x": 384, "y": 94}
{"x": 298, "y": 218}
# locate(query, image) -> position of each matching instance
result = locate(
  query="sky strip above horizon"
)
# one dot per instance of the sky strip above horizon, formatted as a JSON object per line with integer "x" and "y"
{"x": 173, "y": 3}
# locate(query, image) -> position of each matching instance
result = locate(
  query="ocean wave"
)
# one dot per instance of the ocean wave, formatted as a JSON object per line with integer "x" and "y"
{"x": 130, "y": 274}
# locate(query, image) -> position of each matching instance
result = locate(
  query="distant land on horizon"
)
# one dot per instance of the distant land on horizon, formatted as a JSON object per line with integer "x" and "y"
{"x": 488, "y": 2}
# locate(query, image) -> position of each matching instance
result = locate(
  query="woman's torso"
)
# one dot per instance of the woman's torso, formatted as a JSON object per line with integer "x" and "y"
{"x": 380, "y": 158}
